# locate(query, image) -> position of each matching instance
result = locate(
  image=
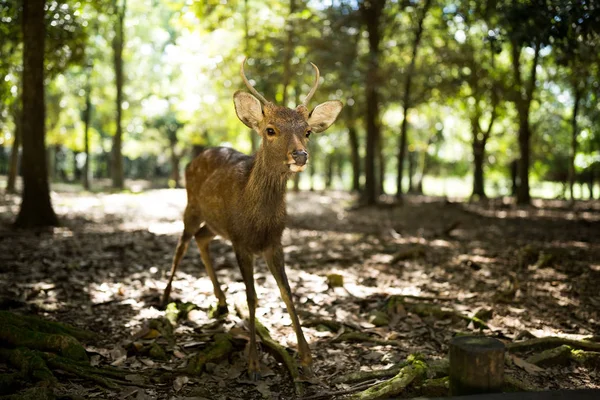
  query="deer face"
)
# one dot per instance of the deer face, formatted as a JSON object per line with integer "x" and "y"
{"x": 285, "y": 131}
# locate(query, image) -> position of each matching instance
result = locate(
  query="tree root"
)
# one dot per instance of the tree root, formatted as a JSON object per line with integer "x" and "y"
{"x": 416, "y": 370}
{"x": 437, "y": 369}
{"x": 431, "y": 310}
{"x": 35, "y": 393}
{"x": 550, "y": 342}
{"x": 38, "y": 348}
{"x": 563, "y": 354}
{"x": 359, "y": 337}
{"x": 40, "y": 325}
{"x": 281, "y": 354}
{"x": 30, "y": 364}
{"x": 331, "y": 325}
{"x": 18, "y": 336}
{"x": 514, "y": 384}
{"x": 221, "y": 348}
{"x": 361, "y": 376}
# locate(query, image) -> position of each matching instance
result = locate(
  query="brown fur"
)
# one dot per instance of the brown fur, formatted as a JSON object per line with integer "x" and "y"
{"x": 242, "y": 198}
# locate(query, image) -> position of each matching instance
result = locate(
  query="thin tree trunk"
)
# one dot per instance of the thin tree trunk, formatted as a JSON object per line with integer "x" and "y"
{"x": 175, "y": 158}
{"x": 371, "y": 13}
{"x": 253, "y": 135}
{"x": 523, "y": 103}
{"x": 13, "y": 170}
{"x": 36, "y": 207}
{"x": 329, "y": 170}
{"x": 297, "y": 175}
{"x": 288, "y": 52}
{"x": 576, "y": 101}
{"x": 312, "y": 167}
{"x": 354, "y": 154}
{"x": 381, "y": 166}
{"x": 87, "y": 114}
{"x": 406, "y": 98}
{"x": 118, "y": 179}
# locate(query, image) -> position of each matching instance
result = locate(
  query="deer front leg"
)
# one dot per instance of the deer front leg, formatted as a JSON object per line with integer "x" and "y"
{"x": 246, "y": 262}
{"x": 275, "y": 260}
{"x": 203, "y": 239}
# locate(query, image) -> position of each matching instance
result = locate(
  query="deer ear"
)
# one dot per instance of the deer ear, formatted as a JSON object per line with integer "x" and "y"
{"x": 248, "y": 109}
{"x": 324, "y": 115}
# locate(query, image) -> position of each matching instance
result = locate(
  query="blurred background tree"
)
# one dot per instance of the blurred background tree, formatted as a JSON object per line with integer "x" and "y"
{"x": 444, "y": 97}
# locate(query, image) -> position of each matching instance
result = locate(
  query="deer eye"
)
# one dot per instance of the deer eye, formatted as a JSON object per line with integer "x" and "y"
{"x": 270, "y": 131}
{"x": 308, "y": 133}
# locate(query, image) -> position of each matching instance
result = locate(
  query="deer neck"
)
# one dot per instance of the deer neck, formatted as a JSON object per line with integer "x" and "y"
{"x": 266, "y": 188}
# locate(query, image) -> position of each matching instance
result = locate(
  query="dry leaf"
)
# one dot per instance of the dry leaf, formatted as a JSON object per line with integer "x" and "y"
{"x": 179, "y": 382}
{"x": 527, "y": 366}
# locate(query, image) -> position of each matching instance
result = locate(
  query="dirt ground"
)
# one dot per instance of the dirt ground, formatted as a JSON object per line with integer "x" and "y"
{"x": 529, "y": 272}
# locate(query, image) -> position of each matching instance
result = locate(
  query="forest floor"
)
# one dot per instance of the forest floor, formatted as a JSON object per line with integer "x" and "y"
{"x": 527, "y": 271}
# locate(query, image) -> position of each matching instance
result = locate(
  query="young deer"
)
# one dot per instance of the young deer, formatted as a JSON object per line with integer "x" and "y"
{"x": 242, "y": 198}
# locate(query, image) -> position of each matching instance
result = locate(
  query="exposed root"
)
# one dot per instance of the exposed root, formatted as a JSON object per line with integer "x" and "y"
{"x": 38, "y": 349}
{"x": 35, "y": 393}
{"x": 331, "y": 325}
{"x": 281, "y": 354}
{"x": 19, "y": 336}
{"x": 564, "y": 354}
{"x": 514, "y": 384}
{"x": 414, "y": 371}
{"x": 359, "y": 337}
{"x": 361, "y": 376}
{"x": 221, "y": 348}
{"x": 40, "y": 325}
{"x": 550, "y": 342}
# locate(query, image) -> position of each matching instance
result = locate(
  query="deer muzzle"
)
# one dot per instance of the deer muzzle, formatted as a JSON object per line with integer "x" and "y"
{"x": 300, "y": 157}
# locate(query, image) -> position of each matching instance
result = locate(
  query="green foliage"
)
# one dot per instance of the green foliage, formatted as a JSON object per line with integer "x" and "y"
{"x": 182, "y": 64}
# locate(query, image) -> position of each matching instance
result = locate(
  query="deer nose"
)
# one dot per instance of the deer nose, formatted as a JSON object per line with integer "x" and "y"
{"x": 300, "y": 156}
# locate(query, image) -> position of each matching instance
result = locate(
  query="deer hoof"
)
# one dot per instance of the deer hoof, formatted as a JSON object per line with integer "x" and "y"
{"x": 218, "y": 311}
{"x": 254, "y": 376}
{"x": 306, "y": 371}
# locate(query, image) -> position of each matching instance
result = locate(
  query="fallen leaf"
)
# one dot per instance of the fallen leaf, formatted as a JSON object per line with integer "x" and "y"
{"x": 527, "y": 366}
{"x": 179, "y": 382}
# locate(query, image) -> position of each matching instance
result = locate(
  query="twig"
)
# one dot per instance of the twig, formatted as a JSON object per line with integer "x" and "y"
{"x": 356, "y": 388}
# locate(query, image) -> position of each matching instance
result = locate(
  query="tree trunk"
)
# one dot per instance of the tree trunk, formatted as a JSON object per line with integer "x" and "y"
{"x": 478, "y": 158}
{"x": 312, "y": 168}
{"x": 253, "y": 135}
{"x": 288, "y": 52}
{"x": 424, "y": 167}
{"x": 175, "y": 158}
{"x": 371, "y": 14}
{"x": 406, "y": 99}
{"x": 577, "y": 99}
{"x": 13, "y": 170}
{"x": 36, "y": 207}
{"x": 411, "y": 171}
{"x": 381, "y": 166}
{"x": 329, "y": 170}
{"x": 355, "y": 156}
{"x": 523, "y": 104}
{"x": 86, "y": 132}
{"x": 296, "y": 187}
{"x": 118, "y": 179}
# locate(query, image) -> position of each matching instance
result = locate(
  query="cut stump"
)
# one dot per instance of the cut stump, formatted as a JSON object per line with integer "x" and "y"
{"x": 476, "y": 365}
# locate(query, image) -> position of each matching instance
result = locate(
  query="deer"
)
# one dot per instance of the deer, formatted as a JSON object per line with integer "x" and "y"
{"x": 242, "y": 198}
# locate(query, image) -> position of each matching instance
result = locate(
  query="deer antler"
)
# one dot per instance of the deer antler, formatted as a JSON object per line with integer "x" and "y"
{"x": 314, "y": 88}
{"x": 250, "y": 87}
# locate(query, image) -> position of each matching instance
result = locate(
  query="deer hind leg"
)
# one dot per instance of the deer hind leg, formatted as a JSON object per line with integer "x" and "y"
{"x": 191, "y": 222}
{"x": 203, "y": 239}
{"x": 275, "y": 261}
{"x": 246, "y": 264}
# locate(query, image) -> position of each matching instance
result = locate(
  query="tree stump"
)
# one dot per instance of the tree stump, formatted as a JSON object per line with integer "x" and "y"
{"x": 476, "y": 365}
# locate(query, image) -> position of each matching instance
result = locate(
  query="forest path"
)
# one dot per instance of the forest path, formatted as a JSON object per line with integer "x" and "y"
{"x": 531, "y": 269}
